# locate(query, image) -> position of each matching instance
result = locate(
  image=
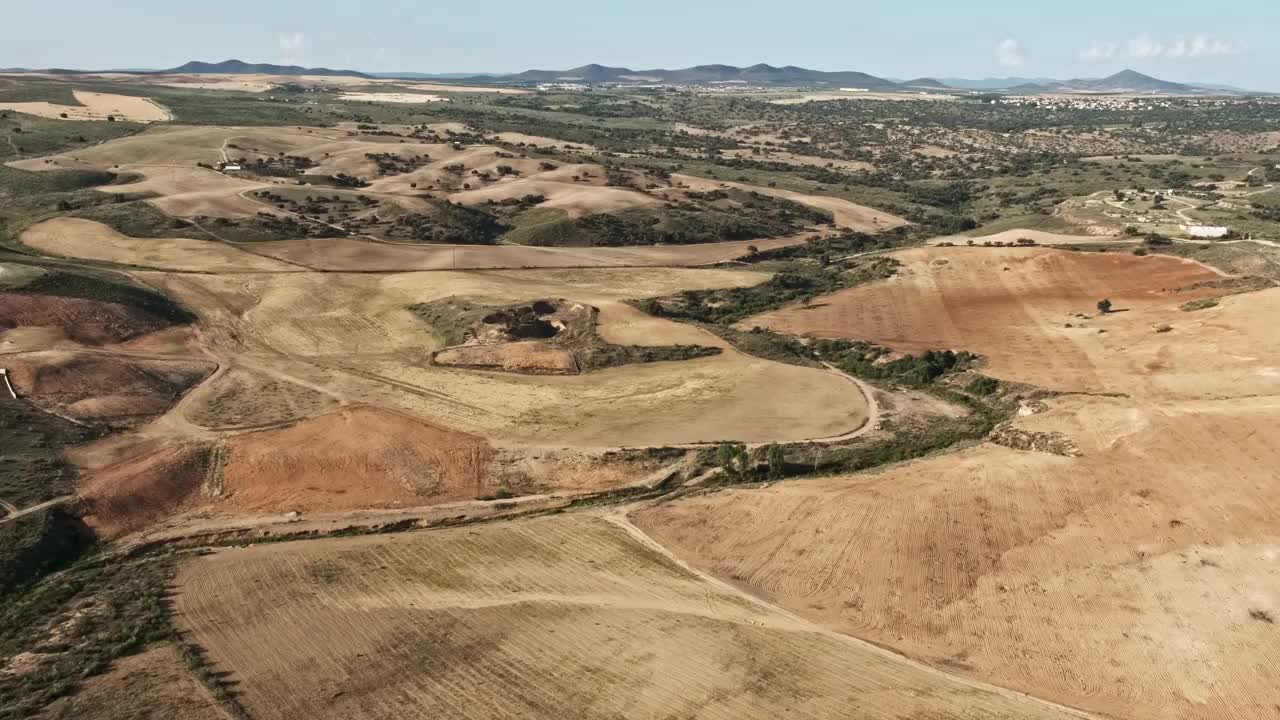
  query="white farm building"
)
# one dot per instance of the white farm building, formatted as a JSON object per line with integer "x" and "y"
{"x": 1207, "y": 231}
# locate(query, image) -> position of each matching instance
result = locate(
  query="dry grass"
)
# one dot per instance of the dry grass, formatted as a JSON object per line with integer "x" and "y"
{"x": 1022, "y": 309}
{"x": 96, "y": 106}
{"x": 247, "y": 398}
{"x": 1120, "y": 581}
{"x": 566, "y": 616}
{"x": 89, "y": 240}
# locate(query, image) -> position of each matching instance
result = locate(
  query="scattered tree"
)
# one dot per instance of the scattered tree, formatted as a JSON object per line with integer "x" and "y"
{"x": 1104, "y": 306}
{"x": 734, "y": 460}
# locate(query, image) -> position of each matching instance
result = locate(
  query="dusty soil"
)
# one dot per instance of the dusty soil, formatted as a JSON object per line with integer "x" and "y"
{"x": 116, "y": 390}
{"x": 354, "y": 335}
{"x": 241, "y": 397}
{"x": 358, "y": 255}
{"x": 152, "y": 685}
{"x": 1022, "y": 308}
{"x": 359, "y": 457}
{"x": 96, "y": 106}
{"x": 76, "y": 238}
{"x": 144, "y": 488}
{"x": 1087, "y": 580}
{"x": 508, "y": 620}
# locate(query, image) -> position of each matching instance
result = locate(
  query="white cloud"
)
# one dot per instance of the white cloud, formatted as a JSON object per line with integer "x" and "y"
{"x": 379, "y": 56}
{"x": 1098, "y": 51}
{"x": 1197, "y": 46}
{"x": 1009, "y": 53}
{"x": 1207, "y": 45}
{"x": 1144, "y": 47}
{"x": 292, "y": 47}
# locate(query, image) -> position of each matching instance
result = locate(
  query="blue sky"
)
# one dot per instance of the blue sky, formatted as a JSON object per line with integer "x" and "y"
{"x": 1173, "y": 39}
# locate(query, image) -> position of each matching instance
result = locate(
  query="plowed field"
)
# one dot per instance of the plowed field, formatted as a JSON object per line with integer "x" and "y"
{"x": 567, "y": 616}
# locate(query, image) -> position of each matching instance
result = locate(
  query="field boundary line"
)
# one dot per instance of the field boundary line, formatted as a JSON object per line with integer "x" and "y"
{"x": 620, "y": 519}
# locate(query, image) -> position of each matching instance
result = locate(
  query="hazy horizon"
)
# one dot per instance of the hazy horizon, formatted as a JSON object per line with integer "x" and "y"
{"x": 1006, "y": 39}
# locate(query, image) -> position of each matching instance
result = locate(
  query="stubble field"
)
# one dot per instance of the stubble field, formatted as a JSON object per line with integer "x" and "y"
{"x": 569, "y": 616}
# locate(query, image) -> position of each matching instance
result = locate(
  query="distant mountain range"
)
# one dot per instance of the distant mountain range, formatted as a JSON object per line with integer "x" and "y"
{"x": 761, "y": 75}
{"x": 789, "y": 76}
{"x": 238, "y": 67}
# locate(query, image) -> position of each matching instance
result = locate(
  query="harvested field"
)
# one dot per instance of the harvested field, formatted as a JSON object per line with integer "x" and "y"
{"x": 247, "y": 398}
{"x": 847, "y": 214}
{"x": 116, "y": 390}
{"x": 533, "y": 357}
{"x": 145, "y": 488}
{"x": 360, "y": 457}
{"x": 89, "y": 240}
{"x": 361, "y": 341}
{"x": 96, "y": 106}
{"x": 509, "y": 620}
{"x": 189, "y": 192}
{"x": 362, "y": 256}
{"x": 163, "y": 145}
{"x": 1098, "y": 581}
{"x": 1032, "y": 312}
{"x": 152, "y": 685}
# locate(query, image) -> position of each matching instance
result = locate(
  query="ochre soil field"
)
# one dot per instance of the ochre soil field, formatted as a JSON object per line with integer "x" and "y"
{"x": 354, "y": 335}
{"x": 847, "y": 214}
{"x": 96, "y": 106}
{"x": 566, "y": 616}
{"x": 154, "y": 684}
{"x": 1021, "y": 308}
{"x": 356, "y": 457}
{"x": 1134, "y": 580}
{"x": 89, "y": 240}
{"x": 144, "y": 488}
{"x": 347, "y": 254}
{"x": 118, "y": 390}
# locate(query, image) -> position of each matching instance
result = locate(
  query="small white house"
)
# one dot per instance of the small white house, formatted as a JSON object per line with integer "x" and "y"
{"x": 1207, "y": 231}
{"x": 230, "y": 168}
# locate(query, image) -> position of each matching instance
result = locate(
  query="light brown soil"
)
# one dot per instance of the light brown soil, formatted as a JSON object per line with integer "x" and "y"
{"x": 1020, "y": 308}
{"x": 73, "y": 237}
{"x": 112, "y": 389}
{"x": 360, "y": 457}
{"x": 96, "y": 106}
{"x": 354, "y": 336}
{"x": 144, "y": 488}
{"x": 534, "y": 357}
{"x": 510, "y": 620}
{"x": 1121, "y": 581}
{"x": 247, "y": 398}
{"x": 153, "y": 685}
{"x": 358, "y": 255}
